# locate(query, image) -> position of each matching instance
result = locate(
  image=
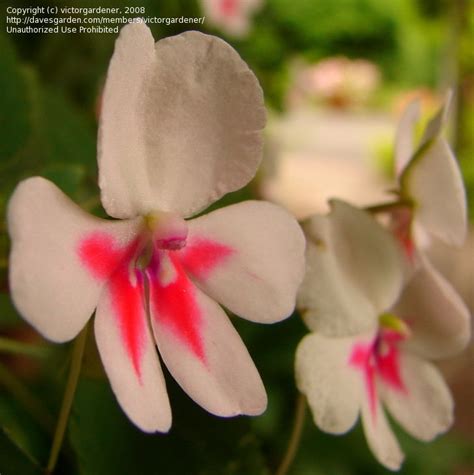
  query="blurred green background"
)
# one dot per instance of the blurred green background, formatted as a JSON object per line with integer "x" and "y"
{"x": 50, "y": 88}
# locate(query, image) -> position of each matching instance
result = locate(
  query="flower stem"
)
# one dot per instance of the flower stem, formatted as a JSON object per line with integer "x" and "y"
{"x": 295, "y": 438}
{"x": 391, "y": 205}
{"x": 20, "y": 348}
{"x": 71, "y": 385}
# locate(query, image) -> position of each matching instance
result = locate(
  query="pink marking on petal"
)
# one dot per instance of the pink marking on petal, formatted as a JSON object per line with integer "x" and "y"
{"x": 127, "y": 302}
{"x": 201, "y": 256}
{"x": 101, "y": 255}
{"x": 174, "y": 302}
{"x": 379, "y": 358}
{"x": 388, "y": 360}
{"x": 401, "y": 225}
{"x": 108, "y": 261}
{"x": 362, "y": 358}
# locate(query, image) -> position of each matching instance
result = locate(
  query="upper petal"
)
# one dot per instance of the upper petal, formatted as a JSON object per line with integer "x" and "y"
{"x": 180, "y": 125}
{"x": 434, "y": 183}
{"x": 128, "y": 351}
{"x": 353, "y": 271}
{"x": 405, "y": 136}
{"x": 425, "y": 408}
{"x": 249, "y": 257}
{"x": 327, "y": 299}
{"x": 199, "y": 345}
{"x": 438, "y": 121}
{"x": 57, "y": 265}
{"x": 437, "y": 316}
{"x": 333, "y": 388}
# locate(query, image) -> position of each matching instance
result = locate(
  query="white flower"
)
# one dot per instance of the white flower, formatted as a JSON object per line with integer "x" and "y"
{"x": 430, "y": 180}
{"x": 180, "y": 126}
{"x": 367, "y": 356}
{"x": 431, "y": 184}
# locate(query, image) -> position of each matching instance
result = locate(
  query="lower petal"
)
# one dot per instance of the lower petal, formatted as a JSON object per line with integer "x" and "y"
{"x": 128, "y": 353}
{"x": 200, "y": 347}
{"x": 333, "y": 388}
{"x": 425, "y": 409}
{"x": 380, "y": 438}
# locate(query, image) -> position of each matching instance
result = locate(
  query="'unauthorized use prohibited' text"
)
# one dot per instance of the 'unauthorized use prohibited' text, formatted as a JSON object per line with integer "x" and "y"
{"x": 78, "y": 20}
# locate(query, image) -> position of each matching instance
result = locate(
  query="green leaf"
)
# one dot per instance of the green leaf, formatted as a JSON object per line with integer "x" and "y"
{"x": 15, "y": 104}
{"x": 105, "y": 441}
{"x": 14, "y": 460}
{"x": 8, "y": 315}
{"x": 23, "y": 444}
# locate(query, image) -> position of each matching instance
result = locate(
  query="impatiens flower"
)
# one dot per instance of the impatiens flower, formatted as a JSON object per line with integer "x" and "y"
{"x": 432, "y": 189}
{"x": 430, "y": 182}
{"x": 180, "y": 126}
{"x": 363, "y": 357}
{"x": 231, "y": 16}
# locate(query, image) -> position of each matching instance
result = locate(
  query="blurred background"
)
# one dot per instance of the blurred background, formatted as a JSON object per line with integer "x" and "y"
{"x": 336, "y": 76}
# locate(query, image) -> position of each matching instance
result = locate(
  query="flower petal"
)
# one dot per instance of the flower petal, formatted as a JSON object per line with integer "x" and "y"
{"x": 180, "y": 125}
{"x": 200, "y": 346}
{"x": 380, "y": 437}
{"x": 436, "y": 315}
{"x": 55, "y": 283}
{"x": 353, "y": 272}
{"x": 441, "y": 213}
{"x": 425, "y": 409}
{"x": 249, "y": 257}
{"x": 405, "y": 136}
{"x": 328, "y": 301}
{"x": 333, "y": 388}
{"x": 128, "y": 352}
{"x": 438, "y": 121}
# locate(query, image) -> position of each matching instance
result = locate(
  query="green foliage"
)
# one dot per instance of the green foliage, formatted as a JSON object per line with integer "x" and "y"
{"x": 51, "y": 86}
{"x": 198, "y": 443}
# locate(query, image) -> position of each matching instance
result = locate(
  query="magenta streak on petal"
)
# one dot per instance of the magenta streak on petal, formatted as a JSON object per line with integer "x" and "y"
{"x": 127, "y": 302}
{"x": 108, "y": 261}
{"x": 402, "y": 230}
{"x": 362, "y": 358}
{"x": 381, "y": 358}
{"x": 388, "y": 360}
{"x": 100, "y": 254}
{"x": 201, "y": 256}
{"x": 174, "y": 303}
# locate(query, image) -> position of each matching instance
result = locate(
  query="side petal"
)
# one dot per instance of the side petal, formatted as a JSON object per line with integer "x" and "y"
{"x": 128, "y": 352}
{"x": 437, "y": 316}
{"x": 199, "y": 345}
{"x": 434, "y": 183}
{"x": 181, "y": 123}
{"x": 333, "y": 388}
{"x": 405, "y": 136}
{"x": 55, "y": 282}
{"x": 425, "y": 408}
{"x": 249, "y": 257}
{"x": 380, "y": 438}
{"x": 328, "y": 300}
